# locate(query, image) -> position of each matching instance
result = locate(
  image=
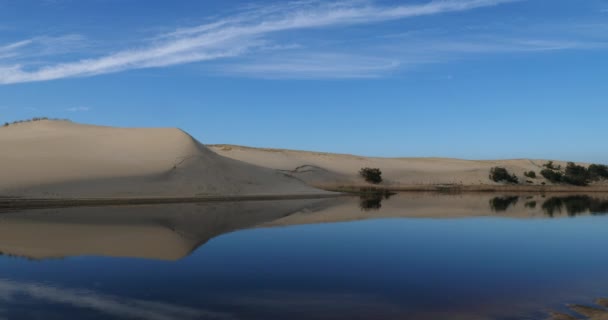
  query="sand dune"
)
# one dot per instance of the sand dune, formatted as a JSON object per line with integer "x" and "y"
{"x": 329, "y": 170}
{"x": 60, "y": 159}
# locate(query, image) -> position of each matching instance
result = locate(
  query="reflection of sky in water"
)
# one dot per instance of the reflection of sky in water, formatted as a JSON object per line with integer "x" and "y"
{"x": 475, "y": 268}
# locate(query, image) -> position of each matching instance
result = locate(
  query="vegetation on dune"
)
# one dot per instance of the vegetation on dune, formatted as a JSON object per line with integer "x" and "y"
{"x": 500, "y": 174}
{"x": 598, "y": 172}
{"x": 371, "y": 175}
{"x": 574, "y": 174}
{"x": 549, "y": 165}
{"x": 553, "y": 176}
{"x": 6, "y": 124}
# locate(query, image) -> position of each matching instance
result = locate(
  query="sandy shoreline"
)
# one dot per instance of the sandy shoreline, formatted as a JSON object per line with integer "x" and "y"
{"x": 11, "y": 204}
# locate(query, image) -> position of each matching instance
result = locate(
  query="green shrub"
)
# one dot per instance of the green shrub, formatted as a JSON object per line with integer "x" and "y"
{"x": 530, "y": 174}
{"x": 553, "y": 176}
{"x": 372, "y": 175}
{"x": 598, "y": 172}
{"x": 551, "y": 166}
{"x": 499, "y": 174}
{"x": 576, "y": 175}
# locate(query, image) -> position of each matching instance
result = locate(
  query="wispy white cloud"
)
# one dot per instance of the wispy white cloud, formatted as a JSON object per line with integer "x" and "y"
{"x": 13, "y": 46}
{"x": 501, "y": 45}
{"x": 235, "y": 36}
{"x": 11, "y": 49}
{"x": 397, "y": 55}
{"x": 41, "y": 46}
{"x": 315, "y": 66}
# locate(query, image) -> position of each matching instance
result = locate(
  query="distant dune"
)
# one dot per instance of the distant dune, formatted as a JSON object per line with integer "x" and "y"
{"x": 328, "y": 170}
{"x": 61, "y": 159}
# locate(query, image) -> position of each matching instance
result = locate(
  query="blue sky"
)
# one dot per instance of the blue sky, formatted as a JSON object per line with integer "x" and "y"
{"x": 474, "y": 79}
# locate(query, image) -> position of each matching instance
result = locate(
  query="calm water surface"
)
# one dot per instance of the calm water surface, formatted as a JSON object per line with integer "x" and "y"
{"x": 407, "y": 257}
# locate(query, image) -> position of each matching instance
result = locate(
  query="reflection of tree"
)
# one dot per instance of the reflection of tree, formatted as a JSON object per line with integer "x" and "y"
{"x": 500, "y": 204}
{"x": 600, "y": 312}
{"x": 373, "y": 201}
{"x": 575, "y": 205}
{"x": 369, "y": 203}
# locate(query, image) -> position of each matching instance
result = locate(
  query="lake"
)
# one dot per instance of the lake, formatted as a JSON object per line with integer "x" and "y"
{"x": 409, "y": 256}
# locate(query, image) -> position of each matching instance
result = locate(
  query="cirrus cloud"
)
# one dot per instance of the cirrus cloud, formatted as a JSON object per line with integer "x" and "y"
{"x": 235, "y": 36}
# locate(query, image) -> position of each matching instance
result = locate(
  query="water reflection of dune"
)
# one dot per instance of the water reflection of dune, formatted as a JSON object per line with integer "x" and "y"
{"x": 436, "y": 205}
{"x": 167, "y": 232}
{"x": 172, "y": 231}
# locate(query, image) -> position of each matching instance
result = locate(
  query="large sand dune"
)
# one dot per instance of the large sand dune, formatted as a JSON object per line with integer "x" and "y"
{"x": 61, "y": 159}
{"x": 327, "y": 170}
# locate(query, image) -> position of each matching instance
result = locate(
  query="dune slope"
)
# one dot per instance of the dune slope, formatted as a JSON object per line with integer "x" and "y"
{"x": 60, "y": 159}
